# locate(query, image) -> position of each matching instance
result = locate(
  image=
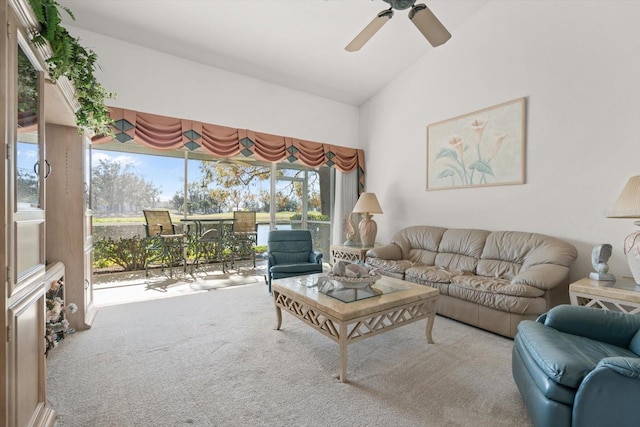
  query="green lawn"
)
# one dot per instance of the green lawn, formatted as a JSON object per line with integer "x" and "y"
{"x": 261, "y": 217}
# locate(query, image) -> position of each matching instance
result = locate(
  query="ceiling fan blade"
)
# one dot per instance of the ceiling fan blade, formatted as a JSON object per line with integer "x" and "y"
{"x": 429, "y": 25}
{"x": 369, "y": 30}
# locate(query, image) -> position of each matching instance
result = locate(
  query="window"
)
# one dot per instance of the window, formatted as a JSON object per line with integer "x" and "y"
{"x": 127, "y": 178}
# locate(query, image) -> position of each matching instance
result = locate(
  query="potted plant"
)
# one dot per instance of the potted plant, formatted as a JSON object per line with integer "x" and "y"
{"x": 71, "y": 60}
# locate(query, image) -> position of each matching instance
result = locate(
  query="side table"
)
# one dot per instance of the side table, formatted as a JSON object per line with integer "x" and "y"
{"x": 621, "y": 295}
{"x": 348, "y": 253}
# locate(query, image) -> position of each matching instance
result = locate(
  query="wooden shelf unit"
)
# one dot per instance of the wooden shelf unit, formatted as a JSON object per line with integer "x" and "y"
{"x": 69, "y": 229}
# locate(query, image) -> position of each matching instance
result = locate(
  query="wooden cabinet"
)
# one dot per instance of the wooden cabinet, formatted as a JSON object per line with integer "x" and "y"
{"x": 22, "y": 264}
{"x": 28, "y": 99}
{"x": 69, "y": 218}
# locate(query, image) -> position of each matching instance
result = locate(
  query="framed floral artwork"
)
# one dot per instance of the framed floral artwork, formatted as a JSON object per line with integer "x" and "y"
{"x": 483, "y": 148}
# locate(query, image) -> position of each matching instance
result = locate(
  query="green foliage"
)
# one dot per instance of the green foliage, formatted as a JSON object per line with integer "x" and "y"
{"x": 132, "y": 253}
{"x": 311, "y": 215}
{"x": 27, "y": 85}
{"x": 482, "y": 166}
{"x": 117, "y": 188}
{"x": 236, "y": 186}
{"x": 71, "y": 60}
{"x": 28, "y": 186}
{"x": 445, "y": 152}
{"x": 128, "y": 253}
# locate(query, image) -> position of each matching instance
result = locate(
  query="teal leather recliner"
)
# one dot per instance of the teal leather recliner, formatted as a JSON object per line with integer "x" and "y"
{"x": 580, "y": 367}
{"x": 290, "y": 253}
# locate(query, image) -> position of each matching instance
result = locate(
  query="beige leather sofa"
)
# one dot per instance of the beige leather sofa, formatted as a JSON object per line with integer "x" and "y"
{"x": 489, "y": 279}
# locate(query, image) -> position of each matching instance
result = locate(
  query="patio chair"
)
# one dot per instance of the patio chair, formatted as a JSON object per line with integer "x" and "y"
{"x": 165, "y": 245}
{"x": 244, "y": 236}
{"x": 290, "y": 253}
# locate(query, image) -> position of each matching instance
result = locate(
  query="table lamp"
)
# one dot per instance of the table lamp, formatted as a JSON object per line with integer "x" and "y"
{"x": 628, "y": 206}
{"x": 367, "y": 205}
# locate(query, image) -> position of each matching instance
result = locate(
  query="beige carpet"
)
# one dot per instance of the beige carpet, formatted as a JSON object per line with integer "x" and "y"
{"x": 214, "y": 359}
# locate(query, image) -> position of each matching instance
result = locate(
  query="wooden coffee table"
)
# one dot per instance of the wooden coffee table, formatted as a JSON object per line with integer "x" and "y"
{"x": 399, "y": 303}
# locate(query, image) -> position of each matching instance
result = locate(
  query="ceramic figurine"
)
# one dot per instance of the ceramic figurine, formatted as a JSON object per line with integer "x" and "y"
{"x": 599, "y": 257}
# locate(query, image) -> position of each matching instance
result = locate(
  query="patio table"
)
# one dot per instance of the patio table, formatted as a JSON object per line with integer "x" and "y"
{"x": 201, "y": 225}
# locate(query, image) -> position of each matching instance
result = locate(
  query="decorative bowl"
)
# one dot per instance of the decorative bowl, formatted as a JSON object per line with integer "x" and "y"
{"x": 354, "y": 282}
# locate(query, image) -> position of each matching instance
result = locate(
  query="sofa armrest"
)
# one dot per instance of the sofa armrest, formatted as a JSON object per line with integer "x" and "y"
{"x": 271, "y": 261}
{"x": 607, "y": 394}
{"x": 627, "y": 366}
{"x": 594, "y": 323}
{"x": 543, "y": 276}
{"x": 390, "y": 252}
{"x": 315, "y": 257}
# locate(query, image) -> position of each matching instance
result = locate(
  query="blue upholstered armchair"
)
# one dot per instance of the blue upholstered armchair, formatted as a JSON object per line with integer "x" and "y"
{"x": 290, "y": 253}
{"x": 579, "y": 366}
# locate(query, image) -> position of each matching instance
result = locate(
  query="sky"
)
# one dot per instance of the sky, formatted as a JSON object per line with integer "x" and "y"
{"x": 165, "y": 172}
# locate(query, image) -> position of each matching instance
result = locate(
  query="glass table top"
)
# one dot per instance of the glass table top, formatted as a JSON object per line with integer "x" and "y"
{"x": 350, "y": 292}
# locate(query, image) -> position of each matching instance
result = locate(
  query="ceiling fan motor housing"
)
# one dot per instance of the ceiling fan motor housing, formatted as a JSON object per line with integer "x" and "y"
{"x": 400, "y": 4}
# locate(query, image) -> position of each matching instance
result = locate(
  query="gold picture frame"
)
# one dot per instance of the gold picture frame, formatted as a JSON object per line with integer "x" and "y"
{"x": 478, "y": 149}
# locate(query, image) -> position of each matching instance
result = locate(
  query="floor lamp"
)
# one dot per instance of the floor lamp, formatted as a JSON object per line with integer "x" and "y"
{"x": 367, "y": 205}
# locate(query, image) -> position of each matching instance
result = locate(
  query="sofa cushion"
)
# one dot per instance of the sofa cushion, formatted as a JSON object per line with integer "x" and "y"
{"x": 565, "y": 358}
{"x": 432, "y": 273}
{"x": 389, "y": 265}
{"x": 499, "y": 294}
{"x": 290, "y": 257}
{"x": 460, "y": 249}
{"x": 442, "y": 287}
{"x": 433, "y": 276}
{"x": 288, "y": 269}
{"x": 548, "y": 387}
{"x": 506, "y": 253}
{"x": 419, "y": 243}
{"x": 611, "y": 327}
{"x": 496, "y": 285}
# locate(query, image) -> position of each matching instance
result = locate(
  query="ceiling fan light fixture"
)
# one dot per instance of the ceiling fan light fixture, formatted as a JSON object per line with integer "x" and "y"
{"x": 429, "y": 25}
{"x": 400, "y": 4}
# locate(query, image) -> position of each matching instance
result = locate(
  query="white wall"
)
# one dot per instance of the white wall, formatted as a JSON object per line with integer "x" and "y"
{"x": 153, "y": 82}
{"x": 578, "y": 65}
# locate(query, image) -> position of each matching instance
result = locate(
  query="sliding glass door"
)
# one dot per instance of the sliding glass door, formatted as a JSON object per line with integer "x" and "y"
{"x": 130, "y": 177}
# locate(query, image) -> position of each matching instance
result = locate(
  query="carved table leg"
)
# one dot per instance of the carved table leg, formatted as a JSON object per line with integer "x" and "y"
{"x": 343, "y": 352}
{"x": 430, "y": 320}
{"x": 278, "y": 312}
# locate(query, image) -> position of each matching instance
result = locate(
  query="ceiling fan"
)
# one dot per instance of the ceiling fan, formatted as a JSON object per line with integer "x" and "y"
{"x": 426, "y": 22}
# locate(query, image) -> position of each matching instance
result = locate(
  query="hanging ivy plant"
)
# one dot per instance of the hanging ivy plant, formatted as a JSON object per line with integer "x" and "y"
{"x": 71, "y": 60}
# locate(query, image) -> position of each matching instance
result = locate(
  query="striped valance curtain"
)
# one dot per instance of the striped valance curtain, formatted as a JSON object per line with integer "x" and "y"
{"x": 168, "y": 133}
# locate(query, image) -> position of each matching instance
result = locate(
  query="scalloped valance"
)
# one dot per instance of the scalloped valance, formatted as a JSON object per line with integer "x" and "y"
{"x": 168, "y": 133}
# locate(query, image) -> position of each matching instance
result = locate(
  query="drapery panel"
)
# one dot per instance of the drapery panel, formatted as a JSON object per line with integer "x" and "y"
{"x": 346, "y": 197}
{"x": 167, "y": 133}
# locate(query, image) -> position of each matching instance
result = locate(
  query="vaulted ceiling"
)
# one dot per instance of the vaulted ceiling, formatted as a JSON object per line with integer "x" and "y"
{"x": 293, "y": 43}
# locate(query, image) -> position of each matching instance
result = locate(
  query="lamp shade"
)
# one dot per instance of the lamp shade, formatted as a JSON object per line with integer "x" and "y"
{"x": 628, "y": 204}
{"x": 367, "y": 203}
